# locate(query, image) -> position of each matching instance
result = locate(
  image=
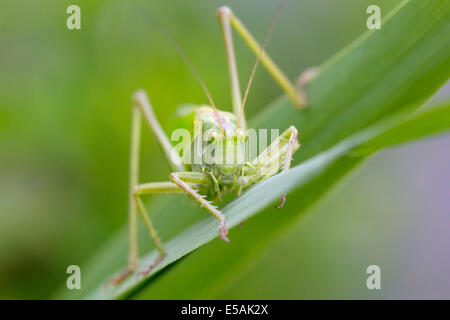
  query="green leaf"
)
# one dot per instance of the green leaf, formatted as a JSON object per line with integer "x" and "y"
{"x": 257, "y": 198}
{"x": 375, "y": 63}
{"x": 310, "y": 181}
{"x": 422, "y": 125}
{"x": 376, "y": 82}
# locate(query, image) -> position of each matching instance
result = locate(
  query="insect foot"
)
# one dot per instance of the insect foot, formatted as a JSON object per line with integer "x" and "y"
{"x": 122, "y": 276}
{"x": 283, "y": 200}
{"x": 147, "y": 270}
{"x": 223, "y": 231}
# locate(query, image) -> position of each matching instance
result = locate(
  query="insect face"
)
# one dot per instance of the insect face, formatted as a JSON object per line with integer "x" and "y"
{"x": 222, "y": 155}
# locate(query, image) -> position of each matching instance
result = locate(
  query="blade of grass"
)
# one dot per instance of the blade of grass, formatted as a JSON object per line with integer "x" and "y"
{"x": 306, "y": 194}
{"x": 427, "y": 123}
{"x": 310, "y": 175}
{"x": 208, "y": 272}
{"x": 250, "y": 203}
{"x": 386, "y": 72}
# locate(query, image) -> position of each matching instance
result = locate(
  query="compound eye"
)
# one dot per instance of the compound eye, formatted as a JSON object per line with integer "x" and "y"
{"x": 213, "y": 136}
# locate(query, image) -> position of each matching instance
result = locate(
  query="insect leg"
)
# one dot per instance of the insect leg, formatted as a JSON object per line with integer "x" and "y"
{"x": 181, "y": 179}
{"x": 288, "y": 157}
{"x": 305, "y": 77}
{"x": 277, "y": 156}
{"x": 152, "y": 188}
{"x": 132, "y": 213}
{"x": 216, "y": 187}
{"x": 137, "y": 204}
{"x": 143, "y": 103}
{"x": 224, "y": 20}
{"x": 286, "y": 85}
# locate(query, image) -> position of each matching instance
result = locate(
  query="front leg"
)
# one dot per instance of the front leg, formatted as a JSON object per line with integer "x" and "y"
{"x": 277, "y": 156}
{"x": 291, "y": 147}
{"x": 181, "y": 179}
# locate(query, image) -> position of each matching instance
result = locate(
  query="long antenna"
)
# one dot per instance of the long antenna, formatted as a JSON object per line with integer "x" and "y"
{"x": 192, "y": 68}
{"x": 258, "y": 58}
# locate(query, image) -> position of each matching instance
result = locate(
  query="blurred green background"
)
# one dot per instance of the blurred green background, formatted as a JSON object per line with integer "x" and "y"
{"x": 64, "y": 143}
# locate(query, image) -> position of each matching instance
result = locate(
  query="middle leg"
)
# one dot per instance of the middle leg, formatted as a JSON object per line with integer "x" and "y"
{"x": 155, "y": 188}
